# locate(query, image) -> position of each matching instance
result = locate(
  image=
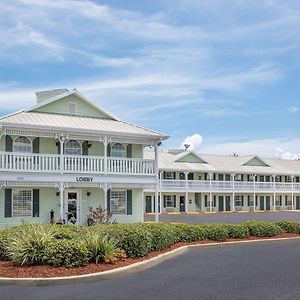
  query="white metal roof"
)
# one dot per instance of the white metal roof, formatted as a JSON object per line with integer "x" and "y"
{"x": 76, "y": 124}
{"x": 227, "y": 164}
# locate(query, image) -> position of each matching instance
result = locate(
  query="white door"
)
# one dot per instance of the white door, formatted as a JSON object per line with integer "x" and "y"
{"x": 72, "y": 206}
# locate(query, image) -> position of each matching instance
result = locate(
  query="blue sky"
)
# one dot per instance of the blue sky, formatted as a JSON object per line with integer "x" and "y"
{"x": 221, "y": 75}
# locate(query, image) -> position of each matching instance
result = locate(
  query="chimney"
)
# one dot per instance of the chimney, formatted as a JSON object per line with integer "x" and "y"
{"x": 46, "y": 95}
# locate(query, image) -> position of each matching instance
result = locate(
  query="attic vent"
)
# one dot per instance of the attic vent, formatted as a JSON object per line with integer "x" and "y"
{"x": 72, "y": 108}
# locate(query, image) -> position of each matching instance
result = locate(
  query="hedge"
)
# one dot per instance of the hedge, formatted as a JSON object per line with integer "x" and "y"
{"x": 74, "y": 246}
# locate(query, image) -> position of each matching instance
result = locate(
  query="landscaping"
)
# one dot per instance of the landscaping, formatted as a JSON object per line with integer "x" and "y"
{"x": 101, "y": 247}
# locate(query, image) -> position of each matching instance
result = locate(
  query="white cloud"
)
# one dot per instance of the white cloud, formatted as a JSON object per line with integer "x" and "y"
{"x": 292, "y": 109}
{"x": 194, "y": 141}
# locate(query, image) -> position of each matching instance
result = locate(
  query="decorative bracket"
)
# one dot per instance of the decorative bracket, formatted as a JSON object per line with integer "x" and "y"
{"x": 105, "y": 186}
{"x": 2, "y": 184}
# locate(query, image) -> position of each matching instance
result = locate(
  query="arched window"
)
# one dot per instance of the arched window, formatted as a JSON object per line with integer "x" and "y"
{"x": 22, "y": 144}
{"x": 118, "y": 150}
{"x": 73, "y": 147}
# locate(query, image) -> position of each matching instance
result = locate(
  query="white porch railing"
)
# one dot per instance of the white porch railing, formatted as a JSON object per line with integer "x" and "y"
{"x": 238, "y": 186}
{"x": 50, "y": 163}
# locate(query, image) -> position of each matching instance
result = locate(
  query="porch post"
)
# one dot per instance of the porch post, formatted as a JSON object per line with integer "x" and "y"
{"x": 156, "y": 183}
{"x": 186, "y": 192}
{"x": 105, "y": 187}
{"x": 62, "y": 163}
{"x": 160, "y": 189}
{"x": 62, "y": 188}
{"x": 104, "y": 140}
{"x": 210, "y": 193}
{"x": 254, "y": 194}
{"x": 292, "y": 177}
{"x": 233, "y": 194}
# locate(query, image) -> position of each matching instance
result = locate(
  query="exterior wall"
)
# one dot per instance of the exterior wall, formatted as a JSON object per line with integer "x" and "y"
{"x": 61, "y": 107}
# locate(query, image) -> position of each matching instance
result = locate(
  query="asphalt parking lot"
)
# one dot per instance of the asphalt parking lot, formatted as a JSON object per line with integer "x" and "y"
{"x": 234, "y": 218}
{"x": 260, "y": 270}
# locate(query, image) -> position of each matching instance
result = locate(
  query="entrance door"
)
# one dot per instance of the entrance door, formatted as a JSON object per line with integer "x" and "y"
{"x": 72, "y": 206}
{"x": 297, "y": 202}
{"x": 227, "y": 203}
{"x": 182, "y": 203}
{"x": 148, "y": 204}
{"x": 268, "y": 202}
{"x": 221, "y": 203}
{"x": 261, "y": 202}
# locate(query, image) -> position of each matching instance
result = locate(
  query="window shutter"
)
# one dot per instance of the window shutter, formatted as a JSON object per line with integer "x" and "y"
{"x": 214, "y": 176}
{"x": 165, "y": 201}
{"x": 174, "y": 200}
{"x": 205, "y": 200}
{"x": 8, "y": 144}
{"x": 174, "y": 175}
{"x": 129, "y": 202}
{"x": 36, "y": 203}
{"x": 280, "y": 200}
{"x": 85, "y": 148}
{"x": 8, "y": 203}
{"x": 164, "y": 175}
{"x": 215, "y": 201}
{"x": 36, "y": 145}
{"x": 108, "y": 200}
{"x": 108, "y": 149}
{"x": 242, "y": 200}
{"x": 129, "y": 151}
{"x": 58, "y": 147}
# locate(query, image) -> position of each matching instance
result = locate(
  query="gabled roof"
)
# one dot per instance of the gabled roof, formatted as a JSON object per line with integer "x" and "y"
{"x": 69, "y": 93}
{"x": 189, "y": 157}
{"x": 256, "y": 161}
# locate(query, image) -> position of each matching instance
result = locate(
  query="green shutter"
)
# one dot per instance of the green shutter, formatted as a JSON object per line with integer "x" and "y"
{"x": 58, "y": 147}
{"x": 8, "y": 203}
{"x": 242, "y": 198}
{"x": 85, "y": 148}
{"x": 36, "y": 203}
{"x": 165, "y": 201}
{"x": 129, "y": 202}
{"x": 8, "y": 144}
{"x": 129, "y": 151}
{"x": 174, "y": 175}
{"x": 36, "y": 145}
{"x": 108, "y": 200}
{"x": 108, "y": 149}
{"x": 174, "y": 200}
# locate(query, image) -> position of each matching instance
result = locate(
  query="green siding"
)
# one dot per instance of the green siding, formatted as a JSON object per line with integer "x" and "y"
{"x": 255, "y": 161}
{"x": 83, "y": 108}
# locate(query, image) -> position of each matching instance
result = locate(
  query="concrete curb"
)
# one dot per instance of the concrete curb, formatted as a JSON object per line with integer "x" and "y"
{"x": 136, "y": 267}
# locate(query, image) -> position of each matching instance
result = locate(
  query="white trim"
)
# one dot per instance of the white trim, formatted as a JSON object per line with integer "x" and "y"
{"x": 78, "y": 203}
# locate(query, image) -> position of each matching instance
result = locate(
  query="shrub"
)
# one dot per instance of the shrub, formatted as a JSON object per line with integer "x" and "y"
{"x": 134, "y": 239}
{"x": 101, "y": 248}
{"x": 163, "y": 235}
{"x": 27, "y": 244}
{"x": 63, "y": 252}
{"x": 189, "y": 232}
{"x": 265, "y": 229}
{"x": 216, "y": 232}
{"x": 288, "y": 226}
{"x": 240, "y": 231}
{"x": 4, "y": 243}
{"x": 67, "y": 232}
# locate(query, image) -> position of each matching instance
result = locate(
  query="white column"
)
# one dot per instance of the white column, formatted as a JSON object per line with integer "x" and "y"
{"x": 104, "y": 140}
{"x": 186, "y": 192}
{"x": 254, "y": 194}
{"x": 63, "y": 215}
{"x": 233, "y": 194}
{"x": 160, "y": 194}
{"x": 161, "y": 202}
{"x": 143, "y": 206}
{"x": 62, "y": 142}
{"x": 156, "y": 184}
{"x": 292, "y": 177}
{"x": 274, "y": 190}
{"x": 210, "y": 194}
{"x": 105, "y": 189}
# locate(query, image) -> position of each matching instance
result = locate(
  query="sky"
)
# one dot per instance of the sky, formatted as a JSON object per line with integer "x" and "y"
{"x": 222, "y": 76}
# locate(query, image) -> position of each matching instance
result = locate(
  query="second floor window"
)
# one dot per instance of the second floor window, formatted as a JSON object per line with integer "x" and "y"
{"x": 73, "y": 147}
{"x": 118, "y": 150}
{"x": 22, "y": 144}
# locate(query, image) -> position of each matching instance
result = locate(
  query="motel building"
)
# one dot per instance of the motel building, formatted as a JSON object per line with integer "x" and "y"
{"x": 189, "y": 182}
{"x": 66, "y": 155}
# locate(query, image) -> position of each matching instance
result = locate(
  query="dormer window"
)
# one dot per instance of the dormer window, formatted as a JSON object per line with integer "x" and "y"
{"x": 22, "y": 144}
{"x": 72, "y": 108}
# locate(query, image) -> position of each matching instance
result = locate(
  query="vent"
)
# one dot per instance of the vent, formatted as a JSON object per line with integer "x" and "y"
{"x": 72, "y": 108}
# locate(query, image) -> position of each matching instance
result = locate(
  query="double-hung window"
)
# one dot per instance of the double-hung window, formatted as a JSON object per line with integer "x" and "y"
{"x": 22, "y": 203}
{"x": 118, "y": 202}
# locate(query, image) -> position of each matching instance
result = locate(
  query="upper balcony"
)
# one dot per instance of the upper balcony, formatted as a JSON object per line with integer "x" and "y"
{"x": 74, "y": 164}
{"x": 226, "y": 186}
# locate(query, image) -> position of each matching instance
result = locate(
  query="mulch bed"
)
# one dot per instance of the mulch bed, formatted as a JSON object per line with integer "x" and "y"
{"x": 9, "y": 269}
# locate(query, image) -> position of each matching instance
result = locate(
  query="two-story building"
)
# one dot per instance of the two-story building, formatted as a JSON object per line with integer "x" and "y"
{"x": 65, "y": 154}
{"x": 190, "y": 182}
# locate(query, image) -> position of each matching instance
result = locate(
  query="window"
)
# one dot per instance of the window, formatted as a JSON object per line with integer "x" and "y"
{"x": 169, "y": 201}
{"x": 73, "y": 147}
{"x": 22, "y": 203}
{"x": 239, "y": 200}
{"x": 22, "y": 144}
{"x": 118, "y": 150}
{"x": 169, "y": 175}
{"x": 118, "y": 202}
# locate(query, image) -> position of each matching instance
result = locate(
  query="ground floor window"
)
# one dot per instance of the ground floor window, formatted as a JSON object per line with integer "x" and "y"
{"x": 118, "y": 202}
{"x": 169, "y": 201}
{"x": 239, "y": 200}
{"x": 21, "y": 203}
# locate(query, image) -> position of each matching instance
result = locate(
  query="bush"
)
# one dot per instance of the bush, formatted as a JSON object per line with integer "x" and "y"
{"x": 189, "y": 232}
{"x": 4, "y": 243}
{"x": 67, "y": 232}
{"x": 163, "y": 235}
{"x": 101, "y": 248}
{"x": 134, "y": 239}
{"x": 288, "y": 226}
{"x": 27, "y": 244}
{"x": 63, "y": 252}
{"x": 240, "y": 231}
{"x": 216, "y": 232}
{"x": 262, "y": 228}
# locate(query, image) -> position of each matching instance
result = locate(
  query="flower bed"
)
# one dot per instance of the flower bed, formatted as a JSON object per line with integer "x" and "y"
{"x": 53, "y": 250}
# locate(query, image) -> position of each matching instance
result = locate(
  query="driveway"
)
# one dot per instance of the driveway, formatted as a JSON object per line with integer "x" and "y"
{"x": 234, "y": 218}
{"x": 264, "y": 270}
